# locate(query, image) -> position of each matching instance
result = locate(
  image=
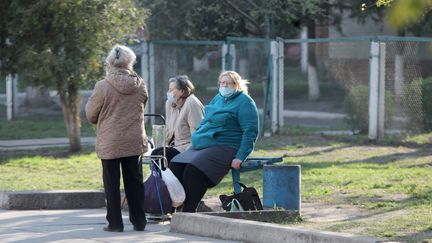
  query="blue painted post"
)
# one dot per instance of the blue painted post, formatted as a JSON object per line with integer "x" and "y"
{"x": 236, "y": 178}
{"x": 281, "y": 186}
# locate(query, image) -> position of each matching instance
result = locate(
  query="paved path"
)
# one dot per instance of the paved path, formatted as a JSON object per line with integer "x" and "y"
{"x": 83, "y": 225}
{"x": 22, "y": 144}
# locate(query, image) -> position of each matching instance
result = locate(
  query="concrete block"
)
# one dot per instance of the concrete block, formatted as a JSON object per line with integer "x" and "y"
{"x": 269, "y": 216}
{"x": 251, "y": 231}
{"x": 281, "y": 187}
{"x": 64, "y": 199}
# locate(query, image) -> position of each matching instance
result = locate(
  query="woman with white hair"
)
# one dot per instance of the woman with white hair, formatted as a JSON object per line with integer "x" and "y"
{"x": 223, "y": 140}
{"x": 117, "y": 106}
{"x": 184, "y": 112}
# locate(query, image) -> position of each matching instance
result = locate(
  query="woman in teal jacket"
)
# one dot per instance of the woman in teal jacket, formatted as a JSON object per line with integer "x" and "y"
{"x": 223, "y": 140}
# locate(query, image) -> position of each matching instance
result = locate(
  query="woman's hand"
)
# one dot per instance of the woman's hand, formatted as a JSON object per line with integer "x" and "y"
{"x": 235, "y": 164}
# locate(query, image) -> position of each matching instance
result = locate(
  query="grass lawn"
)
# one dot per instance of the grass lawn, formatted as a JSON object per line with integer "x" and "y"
{"x": 42, "y": 126}
{"x": 390, "y": 181}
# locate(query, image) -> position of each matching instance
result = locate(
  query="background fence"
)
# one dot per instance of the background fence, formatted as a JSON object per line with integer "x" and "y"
{"x": 374, "y": 85}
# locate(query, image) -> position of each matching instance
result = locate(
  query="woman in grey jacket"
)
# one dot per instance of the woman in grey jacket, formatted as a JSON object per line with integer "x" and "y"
{"x": 117, "y": 106}
{"x": 184, "y": 112}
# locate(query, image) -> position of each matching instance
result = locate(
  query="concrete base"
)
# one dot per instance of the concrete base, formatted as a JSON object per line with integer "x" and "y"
{"x": 269, "y": 216}
{"x": 251, "y": 231}
{"x": 25, "y": 200}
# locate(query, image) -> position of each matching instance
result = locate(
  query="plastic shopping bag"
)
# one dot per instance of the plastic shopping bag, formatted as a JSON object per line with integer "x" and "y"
{"x": 175, "y": 188}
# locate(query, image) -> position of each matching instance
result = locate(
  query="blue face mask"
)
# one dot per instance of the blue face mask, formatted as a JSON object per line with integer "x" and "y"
{"x": 226, "y": 91}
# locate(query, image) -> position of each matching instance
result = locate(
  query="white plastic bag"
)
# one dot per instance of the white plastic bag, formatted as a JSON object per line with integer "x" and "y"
{"x": 175, "y": 188}
{"x": 235, "y": 206}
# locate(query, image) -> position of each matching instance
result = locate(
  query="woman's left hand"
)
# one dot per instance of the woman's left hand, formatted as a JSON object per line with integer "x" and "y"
{"x": 236, "y": 163}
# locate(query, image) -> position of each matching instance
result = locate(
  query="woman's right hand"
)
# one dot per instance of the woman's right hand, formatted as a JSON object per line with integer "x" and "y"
{"x": 236, "y": 163}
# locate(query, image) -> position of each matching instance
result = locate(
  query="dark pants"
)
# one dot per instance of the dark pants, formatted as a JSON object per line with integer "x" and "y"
{"x": 194, "y": 182}
{"x": 134, "y": 188}
{"x": 170, "y": 152}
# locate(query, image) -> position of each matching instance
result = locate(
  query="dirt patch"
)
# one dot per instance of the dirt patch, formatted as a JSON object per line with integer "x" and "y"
{"x": 313, "y": 212}
{"x": 323, "y": 212}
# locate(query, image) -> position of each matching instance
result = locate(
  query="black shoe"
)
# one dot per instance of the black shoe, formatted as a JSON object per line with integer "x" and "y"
{"x": 139, "y": 228}
{"x": 107, "y": 228}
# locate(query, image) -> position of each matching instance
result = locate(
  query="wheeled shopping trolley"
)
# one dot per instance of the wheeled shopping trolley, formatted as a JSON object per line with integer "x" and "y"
{"x": 156, "y": 163}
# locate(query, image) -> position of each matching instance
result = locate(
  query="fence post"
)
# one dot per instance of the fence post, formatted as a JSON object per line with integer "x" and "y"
{"x": 151, "y": 80}
{"x": 281, "y": 82}
{"x": 381, "y": 100}
{"x": 274, "y": 87}
{"x": 376, "y": 90}
{"x": 145, "y": 66}
{"x": 15, "y": 95}
{"x": 224, "y": 53}
{"x": 276, "y": 104}
{"x": 304, "y": 50}
{"x": 228, "y": 57}
{"x": 9, "y": 94}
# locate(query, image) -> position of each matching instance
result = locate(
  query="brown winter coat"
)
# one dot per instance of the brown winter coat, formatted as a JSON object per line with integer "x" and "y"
{"x": 117, "y": 107}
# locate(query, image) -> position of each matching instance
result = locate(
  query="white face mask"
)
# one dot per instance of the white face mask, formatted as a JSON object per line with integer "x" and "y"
{"x": 226, "y": 91}
{"x": 170, "y": 97}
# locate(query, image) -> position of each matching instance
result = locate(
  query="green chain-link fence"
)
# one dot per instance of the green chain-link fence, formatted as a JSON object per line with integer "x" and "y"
{"x": 326, "y": 83}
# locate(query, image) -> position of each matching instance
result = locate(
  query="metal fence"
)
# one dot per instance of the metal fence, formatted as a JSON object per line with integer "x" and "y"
{"x": 370, "y": 84}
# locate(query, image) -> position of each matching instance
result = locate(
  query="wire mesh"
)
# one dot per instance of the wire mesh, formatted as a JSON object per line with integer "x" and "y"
{"x": 326, "y": 81}
{"x": 252, "y": 63}
{"x": 201, "y": 62}
{"x": 406, "y": 71}
{"x": 317, "y": 85}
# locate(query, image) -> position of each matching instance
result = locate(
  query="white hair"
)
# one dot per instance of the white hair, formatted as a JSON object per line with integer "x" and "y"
{"x": 121, "y": 57}
{"x": 240, "y": 83}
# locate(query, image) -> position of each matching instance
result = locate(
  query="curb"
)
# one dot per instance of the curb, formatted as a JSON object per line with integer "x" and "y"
{"x": 251, "y": 231}
{"x": 64, "y": 199}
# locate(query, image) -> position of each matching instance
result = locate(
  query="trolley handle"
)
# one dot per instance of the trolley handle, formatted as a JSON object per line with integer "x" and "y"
{"x": 156, "y": 115}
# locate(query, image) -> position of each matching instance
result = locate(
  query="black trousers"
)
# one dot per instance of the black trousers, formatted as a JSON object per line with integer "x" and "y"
{"x": 195, "y": 183}
{"x": 170, "y": 152}
{"x": 131, "y": 169}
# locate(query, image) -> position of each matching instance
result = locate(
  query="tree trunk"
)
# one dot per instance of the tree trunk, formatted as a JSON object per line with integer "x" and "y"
{"x": 313, "y": 82}
{"x": 71, "y": 115}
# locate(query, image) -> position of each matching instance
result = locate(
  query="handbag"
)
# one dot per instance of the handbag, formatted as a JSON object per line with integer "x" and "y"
{"x": 248, "y": 199}
{"x": 157, "y": 199}
{"x": 175, "y": 188}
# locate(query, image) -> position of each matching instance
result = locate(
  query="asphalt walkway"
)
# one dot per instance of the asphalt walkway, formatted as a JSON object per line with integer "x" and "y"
{"x": 84, "y": 225}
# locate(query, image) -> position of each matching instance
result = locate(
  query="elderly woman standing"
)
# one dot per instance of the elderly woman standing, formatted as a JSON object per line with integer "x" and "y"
{"x": 224, "y": 139}
{"x": 184, "y": 112}
{"x": 117, "y": 106}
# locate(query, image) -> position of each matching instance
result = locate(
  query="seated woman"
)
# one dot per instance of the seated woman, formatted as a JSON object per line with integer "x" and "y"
{"x": 184, "y": 112}
{"x": 223, "y": 140}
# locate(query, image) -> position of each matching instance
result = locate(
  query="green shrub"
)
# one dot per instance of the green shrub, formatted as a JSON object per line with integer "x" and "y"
{"x": 417, "y": 103}
{"x": 412, "y": 105}
{"x": 356, "y": 106}
{"x": 426, "y": 88}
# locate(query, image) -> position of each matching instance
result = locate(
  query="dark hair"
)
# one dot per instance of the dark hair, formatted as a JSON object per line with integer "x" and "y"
{"x": 184, "y": 84}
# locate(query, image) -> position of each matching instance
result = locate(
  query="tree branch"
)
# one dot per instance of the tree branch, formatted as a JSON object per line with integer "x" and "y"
{"x": 243, "y": 14}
